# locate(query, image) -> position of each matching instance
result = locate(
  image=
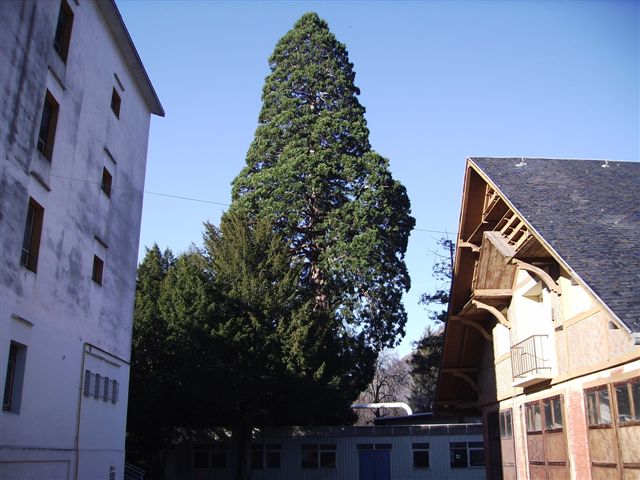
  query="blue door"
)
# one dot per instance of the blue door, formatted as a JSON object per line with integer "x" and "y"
{"x": 374, "y": 465}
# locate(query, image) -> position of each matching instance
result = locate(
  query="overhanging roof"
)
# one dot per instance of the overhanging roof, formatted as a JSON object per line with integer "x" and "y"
{"x": 132, "y": 59}
{"x": 588, "y": 212}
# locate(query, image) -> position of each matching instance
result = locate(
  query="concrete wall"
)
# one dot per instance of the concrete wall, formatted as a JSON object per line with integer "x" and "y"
{"x": 59, "y": 313}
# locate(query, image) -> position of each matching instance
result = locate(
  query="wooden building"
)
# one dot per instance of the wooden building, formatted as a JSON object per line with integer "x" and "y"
{"x": 543, "y": 336}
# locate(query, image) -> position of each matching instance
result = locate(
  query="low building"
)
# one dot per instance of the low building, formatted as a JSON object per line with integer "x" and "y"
{"x": 74, "y": 126}
{"x": 543, "y": 335}
{"x": 452, "y": 451}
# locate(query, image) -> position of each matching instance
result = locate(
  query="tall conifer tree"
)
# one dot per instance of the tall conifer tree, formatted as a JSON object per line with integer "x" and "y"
{"x": 311, "y": 170}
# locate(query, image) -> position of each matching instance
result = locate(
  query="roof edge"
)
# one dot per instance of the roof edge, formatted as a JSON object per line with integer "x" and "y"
{"x": 553, "y": 251}
{"x": 110, "y": 11}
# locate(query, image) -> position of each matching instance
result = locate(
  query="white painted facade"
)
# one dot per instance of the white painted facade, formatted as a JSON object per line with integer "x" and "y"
{"x": 62, "y": 322}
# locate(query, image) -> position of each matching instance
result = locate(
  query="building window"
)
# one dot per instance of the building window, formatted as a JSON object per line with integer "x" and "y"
{"x": 506, "y": 428}
{"x": 14, "y": 377}
{"x": 466, "y": 454}
{"x": 534, "y": 418}
{"x": 62, "y": 38}
{"x": 420, "y": 455}
{"x": 100, "y": 387}
{"x": 598, "y": 406}
{"x": 458, "y": 454}
{"x": 318, "y": 456}
{"x": 265, "y": 456}
{"x": 552, "y": 414}
{"x": 107, "y": 180}
{"x": 32, "y": 233}
{"x": 115, "y": 102}
{"x": 48, "y": 122}
{"x": 628, "y": 402}
{"x": 210, "y": 456}
{"x": 98, "y": 267}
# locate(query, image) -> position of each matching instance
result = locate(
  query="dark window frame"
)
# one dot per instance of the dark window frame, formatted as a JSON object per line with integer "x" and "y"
{"x": 48, "y": 126}
{"x": 98, "y": 270}
{"x": 325, "y": 456}
{"x": 116, "y": 102}
{"x": 593, "y": 406}
{"x": 418, "y": 452}
{"x": 107, "y": 181}
{"x": 14, "y": 379}
{"x": 32, "y": 234}
{"x": 62, "y": 36}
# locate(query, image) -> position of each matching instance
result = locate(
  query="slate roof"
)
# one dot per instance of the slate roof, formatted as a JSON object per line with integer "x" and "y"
{"x": 588, "y": 214}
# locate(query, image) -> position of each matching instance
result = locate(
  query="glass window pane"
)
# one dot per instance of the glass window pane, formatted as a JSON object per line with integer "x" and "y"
{"x": 256, "y": 457}
{"x": 476, "y": 458}
{"x": 604, "y": 407}
{"x": 309, "y": 458}
{"x": 635, "y": 396}
{"x": 548, "y": 415}
{"x": 273, "y": 459}
{"x": 219, "y": 459}
{"x": 200, "y": 459}
{"x": 592, "y": 408}
{"x": 557, "y": 413}
{"x": 624, "y": 406}
{"x": 420, "y": 459}
{"x": 327, "y": 459}
{"x": 458, "y": 458}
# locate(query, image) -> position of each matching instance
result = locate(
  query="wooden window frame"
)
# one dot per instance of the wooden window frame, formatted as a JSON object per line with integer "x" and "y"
{"x": 598, "y": 413}
{"x": 62, "y": 36}
{"x": 32, "y": 234}
{"x": 635, "y": 415}
{"x": 502, "y": 419}
{"x": 48, "y": 125}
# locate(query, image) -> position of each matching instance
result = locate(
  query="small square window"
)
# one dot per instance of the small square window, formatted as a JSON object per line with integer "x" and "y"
{"x": 32, "y": 233}
{"x": 421, "y": 459}
{"x": 201, "y": 459}
{"x": 48, "y": 123}
{"x": 257, "y": 457}
{"x": 98, "y": 267}
{"x": 272, "y": 458}
{"x": 115, "y": 102}
{"x": 328, "y": 459}
{"x": 309, "y": 456}
{"x": 476, "y": 457}
{"x": 107, "y": 180}
{"x": 62, "y": 38}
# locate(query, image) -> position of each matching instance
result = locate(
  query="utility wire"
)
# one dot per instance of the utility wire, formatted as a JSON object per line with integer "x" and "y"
{"x": 210, "y": 202}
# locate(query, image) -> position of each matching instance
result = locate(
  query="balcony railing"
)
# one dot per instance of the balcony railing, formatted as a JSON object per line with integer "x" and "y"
{"x": 530, "y": 358}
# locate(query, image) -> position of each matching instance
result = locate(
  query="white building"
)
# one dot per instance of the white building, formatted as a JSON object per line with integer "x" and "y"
{"x": 74, "y": 126}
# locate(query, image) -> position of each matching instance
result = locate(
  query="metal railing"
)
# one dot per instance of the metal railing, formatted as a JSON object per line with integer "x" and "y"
{"x": 530, "y": 356}
{"x": 131, "y": 472}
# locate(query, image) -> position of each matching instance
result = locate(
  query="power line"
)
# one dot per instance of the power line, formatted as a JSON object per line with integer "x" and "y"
{"x": 210, "y": 202}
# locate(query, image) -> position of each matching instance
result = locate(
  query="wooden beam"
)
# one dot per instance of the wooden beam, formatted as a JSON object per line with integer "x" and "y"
{"x": 467, "y": 379}
{"x": 544, "y": 276}
{"x": 492, "y": 293}
{"x": 472, "y": 246}
{"x": 472, "y": 324}
{"x": 493, "y": 311}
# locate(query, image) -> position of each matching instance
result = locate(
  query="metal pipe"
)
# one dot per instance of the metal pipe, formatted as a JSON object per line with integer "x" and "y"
{"x": 401, "y": 405}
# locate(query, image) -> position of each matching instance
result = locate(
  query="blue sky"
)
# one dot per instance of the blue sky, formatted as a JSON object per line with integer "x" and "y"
{"x": 440, "y": 81}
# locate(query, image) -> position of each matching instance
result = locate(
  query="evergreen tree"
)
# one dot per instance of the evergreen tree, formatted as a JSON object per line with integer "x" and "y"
{"x": 150, "y": 413}
{"x": 311, "y": 171}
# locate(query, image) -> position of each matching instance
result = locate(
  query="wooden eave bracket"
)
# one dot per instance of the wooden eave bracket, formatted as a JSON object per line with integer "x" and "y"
{"x": 544, "y": 276}
{"x": 493, "y": 311}
{"x": 465, "y": 321}
{"x": 467, "y": 379}
{"x": 474, "y": 248}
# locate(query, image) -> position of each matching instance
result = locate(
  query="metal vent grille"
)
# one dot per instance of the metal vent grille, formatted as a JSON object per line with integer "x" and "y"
{"x": 100, "y": 387}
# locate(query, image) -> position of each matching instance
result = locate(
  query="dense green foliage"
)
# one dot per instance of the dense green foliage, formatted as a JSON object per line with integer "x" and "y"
{"x": 311, "y": 171}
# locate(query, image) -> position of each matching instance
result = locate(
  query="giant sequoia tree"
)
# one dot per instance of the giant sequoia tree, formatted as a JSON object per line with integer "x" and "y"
{"x": 312, "y": 172}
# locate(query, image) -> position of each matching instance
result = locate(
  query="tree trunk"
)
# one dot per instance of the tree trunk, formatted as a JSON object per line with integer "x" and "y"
{"x": 241, "y": 436}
